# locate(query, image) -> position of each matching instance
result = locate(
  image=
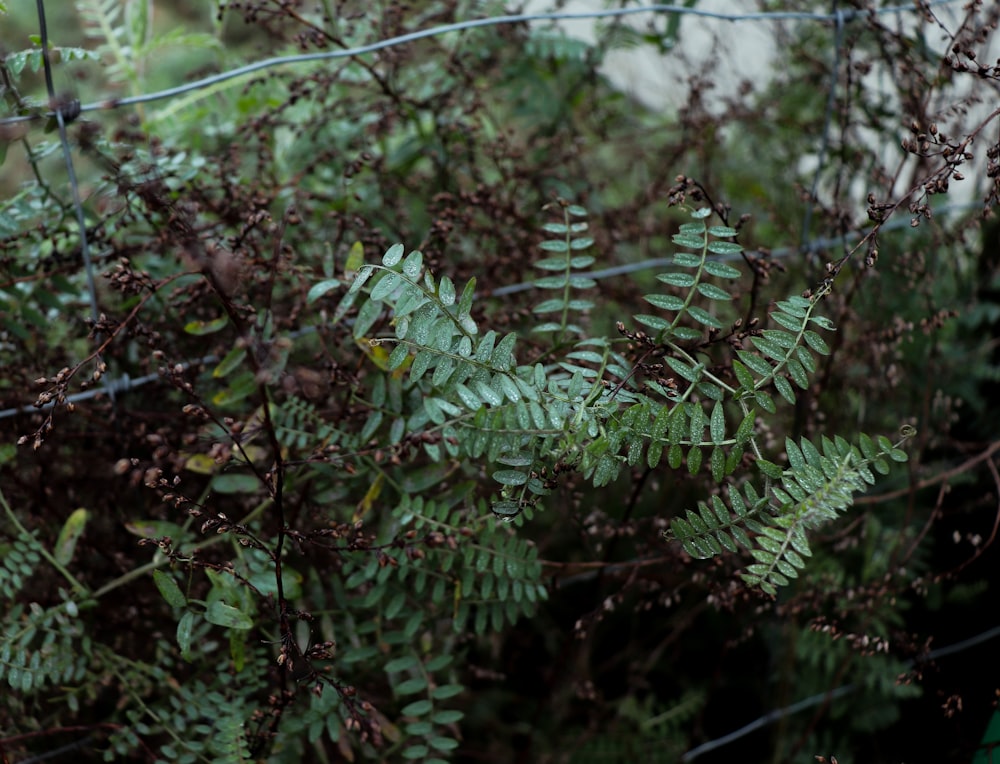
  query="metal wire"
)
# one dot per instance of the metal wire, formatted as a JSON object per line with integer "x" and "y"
{"x": 518, "y": 18}
{"x": 823, "y": 697}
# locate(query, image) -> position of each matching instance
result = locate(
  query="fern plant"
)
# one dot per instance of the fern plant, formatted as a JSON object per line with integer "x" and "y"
{"x": 41, "y": 647}
{"x": 124, "y": 36}
{"x": 587, "y": 408}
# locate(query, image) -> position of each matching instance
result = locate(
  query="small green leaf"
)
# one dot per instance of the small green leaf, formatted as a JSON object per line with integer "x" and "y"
{"x": 488, "y": 394}
{"x": 447, "y": 691}
{"x": 770, "y": 469}
{"x": 368, "y": 314}
{"x": 446, "y": 291}
{"x": 654, "y": 453}
{"x": 721, "y": 270}
{"x": 386, "y": 285}
{"x": 685, "y": 371}
{"x": 722, "y": 231}
{"x": 393, "y": 255}
{"x": 867, "y": 447}
{"x": 784, "y": 388}
{"x": 398, "y": 357}
{"x": 586, "y": 355}
{"x": 548, "y": 306}
{"x": 717, "y": 423}
{"x": 411, "y": 686}
{"x": 413, "y": 264}
{"x": 797, "y": 373}
{"x": 746, "y": 429}
{"x": 443, "y": 743}
{"x": 713, "y": 292}
{"x": 795, "y": 458}
{"x": 675, "y": 455}
{"x": 664, "y": 301}
{"x": 765, "y": 402}
{"x": 439, "y": 662}
{"x": 823, "y": 322}
{"x": 727, "y": 248}
{"x": 717, "y": 463}
{"x": 554, "y": 245}
{"x": 682, "y": 280}
{"x": 469, "y": 399}
{"x": 767, "y": 347}
{"x": 816, "y": 342}
{"x": 185, "y": 630}
{"x": 755, "y": 363}
{"x": 355, "y": 258}
{"x": 200, "y": 328}
{"x": 552, "y": 282}
{"x": 657, "y": 323}
{"x": 71, "y": 531}
{"x": 225, "y": 615}
{"x": 318, "y": 290}
{"x": 235, "y": 483}
{"x": 465, "y": 301}
{"x": 513, "y": 393}
{"x": 232, "y": 361}
{"x": 704, "y": 317}
{"x": 694, "y": 460}
{"x": 506, "y": 510}
{"x": 169, "y": 589}
{"x": 417, "y": 708}
{"x": 697, "y": 426}
{"x": 360, "y": 279}
{"x": 510, "y": 477}
{"x": 789, "y": 322}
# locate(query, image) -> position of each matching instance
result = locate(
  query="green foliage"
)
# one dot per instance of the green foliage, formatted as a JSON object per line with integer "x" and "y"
{"x": 41, "y": 647}
{"x": 198, "y": 721}
{"x": 811, "y": 492}
{"x": 577, "y": 410}
{"x": 126, "y": 41}
{"x": 314, "y": 525}
{"x": 567, "y": 260}
{"x": 32, "y": 58}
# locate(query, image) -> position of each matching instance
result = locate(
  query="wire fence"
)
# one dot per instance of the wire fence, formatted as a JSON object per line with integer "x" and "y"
{"x": 838, "y": 19}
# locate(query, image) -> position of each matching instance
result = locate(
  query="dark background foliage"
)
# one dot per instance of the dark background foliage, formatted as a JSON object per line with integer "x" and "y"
{"x": 210, "y": 217}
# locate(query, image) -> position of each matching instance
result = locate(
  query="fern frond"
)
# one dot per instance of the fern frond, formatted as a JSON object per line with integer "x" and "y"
{"x": 783, "y": 351}
{"x": 569, "y": 264}
{"x": 471, "y": 390}
{"x": 470, "y": 398}
{"x": 43, "y": 647}
{"x": 816, "y": 488}
{"x": 104, "y": 22}
{"x": 708, "y": 243}
{"x": 300, "y": 426}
